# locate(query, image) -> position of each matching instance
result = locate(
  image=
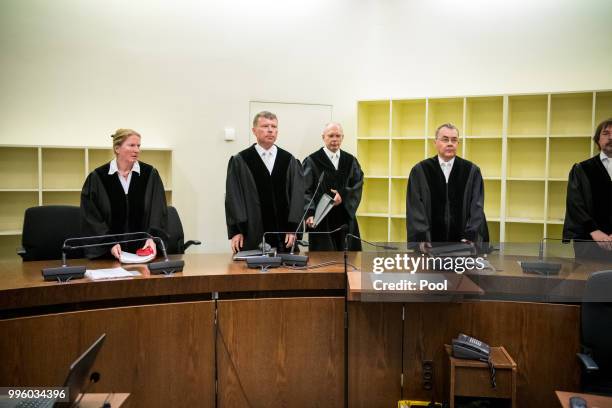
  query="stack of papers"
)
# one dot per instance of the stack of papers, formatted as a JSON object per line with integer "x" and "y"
{"x": 130, "y": 258}
{"x": 113, "y": 273}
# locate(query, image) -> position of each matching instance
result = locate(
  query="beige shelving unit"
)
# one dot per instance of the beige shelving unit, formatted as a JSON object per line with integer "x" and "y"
{"x": 525, "y": 146}
{"x": 46, "y": 175}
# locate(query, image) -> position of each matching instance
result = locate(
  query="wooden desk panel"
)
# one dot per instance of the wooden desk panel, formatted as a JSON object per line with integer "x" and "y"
{"x": 162, "y": 355}
{"x": 281, "y": 352}
{"x": 543, "y": 339}
{"x": 375, "y": 350}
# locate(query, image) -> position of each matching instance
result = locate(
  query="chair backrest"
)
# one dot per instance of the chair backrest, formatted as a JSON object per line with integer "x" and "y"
{"x": 597, "y": 316}
{"x": 176, "y": 237}
{"x": 45, "y": 229}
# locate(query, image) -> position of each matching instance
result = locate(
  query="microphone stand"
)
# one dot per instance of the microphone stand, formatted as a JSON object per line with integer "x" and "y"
{"x": 265, "y": 261}
{"x": 65, "y": 272}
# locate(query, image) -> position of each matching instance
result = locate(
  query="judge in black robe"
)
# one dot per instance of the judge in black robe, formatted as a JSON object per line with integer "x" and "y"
{"x": 257, "y": 200}
{"x": 107, "y": 209}
{"x": 344, "y": 183}
{"x": 588, "y": 214}
{"x": 441, "y": 211}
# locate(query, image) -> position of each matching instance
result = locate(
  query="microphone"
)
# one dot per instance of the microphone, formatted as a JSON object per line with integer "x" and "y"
{"x": 321, "y": 177}
{"x": 65, "y": 272}
{"x": 265, "y": 261}
{"x": 542, "y": 267}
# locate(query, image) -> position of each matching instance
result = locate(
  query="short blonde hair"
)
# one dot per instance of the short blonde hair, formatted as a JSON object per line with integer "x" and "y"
{"x": 120, "y": 135}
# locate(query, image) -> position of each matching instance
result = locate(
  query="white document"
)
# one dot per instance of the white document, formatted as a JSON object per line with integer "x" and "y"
{"x": 130, "y": 258}
{"x": 112, "y": 273}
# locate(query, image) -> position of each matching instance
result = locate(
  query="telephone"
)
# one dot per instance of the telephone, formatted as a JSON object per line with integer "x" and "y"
{"x": 470, "y": 348}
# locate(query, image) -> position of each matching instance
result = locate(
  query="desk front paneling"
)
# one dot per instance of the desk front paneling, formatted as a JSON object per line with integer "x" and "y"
{"x": 541, "y": 338}
{"x": 281, "y": 352}
{"x": 162, "y": 355}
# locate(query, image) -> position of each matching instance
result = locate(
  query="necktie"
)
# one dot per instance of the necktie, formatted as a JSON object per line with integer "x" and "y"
{"x": 267, "y": 159}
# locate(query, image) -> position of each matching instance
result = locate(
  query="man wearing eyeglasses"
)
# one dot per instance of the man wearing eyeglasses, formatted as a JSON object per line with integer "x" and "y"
{"x": 588, "y": 214}
{"x": 445, "y": 197}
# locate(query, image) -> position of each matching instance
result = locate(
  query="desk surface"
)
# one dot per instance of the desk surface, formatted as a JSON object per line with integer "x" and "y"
{"x": 96, "y": 400}
{"x": 22, "y": 285}
{"x": 593, "y": 401}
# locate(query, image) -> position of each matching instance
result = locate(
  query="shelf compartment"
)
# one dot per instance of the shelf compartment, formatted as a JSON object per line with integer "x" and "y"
{"x": 525, "y": 199}
{"x": 448, "y": 110}
{"x": 63, "y": 168}
{"x": 408, "y": 118}
{"x": 12, "y": 208}
{"x": 8, "y": 247}
{"x": 526, "y": 158}
{"x": 61, "y": 198}
{"x": 405, "y": 154}
{"x": 375, "y": 196}
{"x": 517, "y": 232}
{"x": 527, "y": 115}
{"x": 556, "y": 248}
{"x": 603, "y": 107}
{"x": 373, "y": 228}
{"x": 486, "y": 154}
{"x": 373, "y": 119}
{"x": 19, "y": 168}
{"x": 557, "y": 194}
{"x": 493, "y": 231}
{"x": 162, "y": 161}
{"x": 374, "y": 157}
{"x": 565, "y": 152}
{"x": 492, "y": 192}
{"x": 398, "y": 230}
{"x": 571, "y": 114}
{"x": 484, "y": 116}
{"x": 398, "y": 196}
{"x": 98, "y": 157}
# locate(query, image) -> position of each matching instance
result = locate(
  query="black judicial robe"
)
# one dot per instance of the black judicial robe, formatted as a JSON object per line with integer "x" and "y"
{"x": 257, "y": 201}
{"x": 588, "y": 204}
{"x": 437, "y": 211}
{"x": 348, "y": 181}
{"x": 106, "y": 209}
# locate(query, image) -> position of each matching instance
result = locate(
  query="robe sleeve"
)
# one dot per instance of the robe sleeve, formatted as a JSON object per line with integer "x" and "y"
{"x": 156, "y": 207}
{"x": 295, "y": 193}
{"x": 235, "y": 203}
{"x": 418, "y": 222}
{"x": 579, "y": 222}
{"x": 351, "y": 193}
{"x": 475, "y": 216}
{"x": 95, "y": 212}
{"x": 310, "y": 184}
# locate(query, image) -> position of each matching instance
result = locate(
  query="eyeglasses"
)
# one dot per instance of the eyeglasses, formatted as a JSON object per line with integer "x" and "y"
{"x": 452, "y": 140}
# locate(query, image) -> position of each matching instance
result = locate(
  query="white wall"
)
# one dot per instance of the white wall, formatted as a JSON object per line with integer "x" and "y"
{"x": 72, "y": 71}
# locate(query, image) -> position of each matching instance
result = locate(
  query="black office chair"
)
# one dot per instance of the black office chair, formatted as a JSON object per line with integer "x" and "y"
{"x": 596, "y": 358}
{"x": 176, "y": 236}
{"x": 45, "y": 229}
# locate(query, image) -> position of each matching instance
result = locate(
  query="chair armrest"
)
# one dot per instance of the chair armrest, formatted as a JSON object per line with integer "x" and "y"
{"x": 587, "y": 362}
{"x": 21, "y": 251}
{"x": 190, "y": 243}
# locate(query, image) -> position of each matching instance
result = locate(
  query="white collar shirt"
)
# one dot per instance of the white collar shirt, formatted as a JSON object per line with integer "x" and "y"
{"x": 334, "y": 157}
{"x": 607, "y": 163}
{"x": 446, "y": 167}
{"x": 125, "y": 182}
{"x": 267, "y": 156}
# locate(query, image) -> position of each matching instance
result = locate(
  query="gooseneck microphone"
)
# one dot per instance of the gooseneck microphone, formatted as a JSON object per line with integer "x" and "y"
{"x": 321, "y": 177}
{"x": 65, "y": 272}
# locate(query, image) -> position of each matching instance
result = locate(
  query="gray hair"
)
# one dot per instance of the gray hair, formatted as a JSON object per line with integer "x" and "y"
{"x": 264, "y": 114}
{"x": 448, "y": 126}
